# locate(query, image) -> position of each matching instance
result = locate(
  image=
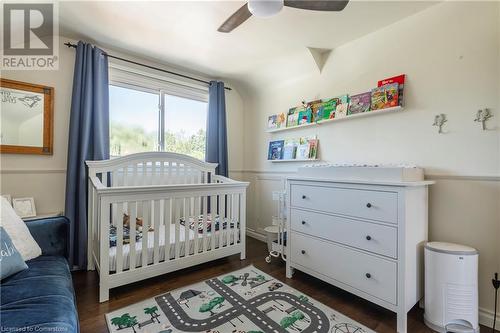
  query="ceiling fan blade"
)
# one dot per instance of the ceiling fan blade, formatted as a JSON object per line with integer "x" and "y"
{"x": 240, "y": 16}
{"x": 321, "y": 5}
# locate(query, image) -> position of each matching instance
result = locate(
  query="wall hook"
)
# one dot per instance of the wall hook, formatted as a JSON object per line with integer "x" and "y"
{"x": 439, "y": 121}
{"x": 482, "y": 116}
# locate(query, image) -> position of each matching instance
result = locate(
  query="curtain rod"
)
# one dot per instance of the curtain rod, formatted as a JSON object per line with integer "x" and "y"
{"x": 70, "y": 45}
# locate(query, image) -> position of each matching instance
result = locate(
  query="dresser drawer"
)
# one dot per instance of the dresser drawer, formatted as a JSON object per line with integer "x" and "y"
{"x": 367, "y": 273}
{"x": 374, "y": 205}
{"x": 368, "y": 236}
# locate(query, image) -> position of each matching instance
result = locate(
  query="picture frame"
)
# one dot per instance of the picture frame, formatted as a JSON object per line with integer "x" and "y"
{"x": 33, "y": 132}
{"x": 24, "y": 207}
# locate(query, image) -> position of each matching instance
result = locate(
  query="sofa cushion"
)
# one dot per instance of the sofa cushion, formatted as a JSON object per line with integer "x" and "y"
{"x": 18, "y": 231}
{"x": 40, "y": 298}
{"x": 11, "y": 261}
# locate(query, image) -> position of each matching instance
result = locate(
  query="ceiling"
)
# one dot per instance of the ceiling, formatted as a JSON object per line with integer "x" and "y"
{"x": 184, "y": 33}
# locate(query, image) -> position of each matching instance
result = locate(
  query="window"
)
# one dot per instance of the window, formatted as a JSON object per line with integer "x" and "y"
{"x": 143, "y": 119}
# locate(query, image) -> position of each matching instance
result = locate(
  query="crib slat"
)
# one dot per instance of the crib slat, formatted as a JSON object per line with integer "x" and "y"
{"x": 167, "y": 216}
{"x": 205, "y": 213}
{"x": 162, "y": 173}
{"x": 146, "y": 213}
{"x": 222, "y": 230}
{"x": 196, "y": 213}
{"x": 118, "y": 220}
{"x": 177, "y": 242}
{"x": 213, "y": 216}
{"x": 132, "y": 249}
{"x": 235, "y": 218}
{"x": 187, "y": 226}
{"x": 156, "y": 226}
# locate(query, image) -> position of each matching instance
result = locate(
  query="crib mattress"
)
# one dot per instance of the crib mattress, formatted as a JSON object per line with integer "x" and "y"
{"x": 180, "y": 243}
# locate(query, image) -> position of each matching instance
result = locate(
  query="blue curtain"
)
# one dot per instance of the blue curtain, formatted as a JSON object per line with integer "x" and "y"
{"x": 216, "y": 142}
{"x": 88, "y": 140}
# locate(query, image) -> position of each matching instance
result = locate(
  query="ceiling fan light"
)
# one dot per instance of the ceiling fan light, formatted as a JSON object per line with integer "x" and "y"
{"x": 265, "y": 8}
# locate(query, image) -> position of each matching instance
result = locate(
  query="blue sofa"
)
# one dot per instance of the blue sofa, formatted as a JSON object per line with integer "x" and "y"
{"x": 41, "y": 298}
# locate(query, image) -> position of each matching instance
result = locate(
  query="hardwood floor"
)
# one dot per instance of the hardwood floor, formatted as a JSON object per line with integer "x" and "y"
{"x": 91, "y": 312}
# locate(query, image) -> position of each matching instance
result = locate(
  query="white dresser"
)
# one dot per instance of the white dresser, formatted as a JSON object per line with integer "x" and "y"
{"x": 366, "y": 237}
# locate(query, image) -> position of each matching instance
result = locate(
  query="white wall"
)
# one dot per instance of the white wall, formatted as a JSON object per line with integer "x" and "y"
{"x": 450, "y": 53}
{"x": 44, "y": 177}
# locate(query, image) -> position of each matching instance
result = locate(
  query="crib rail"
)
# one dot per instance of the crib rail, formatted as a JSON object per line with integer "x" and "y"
{"x": 182, "y": 225}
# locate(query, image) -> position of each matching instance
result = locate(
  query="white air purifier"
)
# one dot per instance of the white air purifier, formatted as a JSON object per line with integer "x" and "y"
{"x": 451, "y": 288}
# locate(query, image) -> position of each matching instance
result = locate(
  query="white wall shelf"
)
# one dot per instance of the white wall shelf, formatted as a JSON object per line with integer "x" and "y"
{"x": 334, "y": 120}
{"x": 296, "y": 160}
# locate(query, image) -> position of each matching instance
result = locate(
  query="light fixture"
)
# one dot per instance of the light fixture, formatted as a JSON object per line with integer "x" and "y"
{"x": 265, "y": 8}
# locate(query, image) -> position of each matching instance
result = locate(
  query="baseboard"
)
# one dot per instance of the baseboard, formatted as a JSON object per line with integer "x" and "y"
{"x": 486, "y": 318}
{"x": 256, "y": 235}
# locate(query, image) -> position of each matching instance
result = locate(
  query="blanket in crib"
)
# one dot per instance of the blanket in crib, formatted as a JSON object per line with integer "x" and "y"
{"x": 200, "y": 224}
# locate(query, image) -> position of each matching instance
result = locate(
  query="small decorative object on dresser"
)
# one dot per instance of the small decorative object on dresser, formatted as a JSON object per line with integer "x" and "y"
{"x": 373, "y": 231}
{"x": 24, "y": 207}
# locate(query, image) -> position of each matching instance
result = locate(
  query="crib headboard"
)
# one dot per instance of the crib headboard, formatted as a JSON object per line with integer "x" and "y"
{"x": 151, "y": 168}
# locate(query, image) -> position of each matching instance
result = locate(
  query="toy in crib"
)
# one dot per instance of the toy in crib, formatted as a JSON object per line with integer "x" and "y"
{"x": 138, "y": 222}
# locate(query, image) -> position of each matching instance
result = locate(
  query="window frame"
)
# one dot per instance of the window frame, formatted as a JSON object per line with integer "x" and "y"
{"x": 135, "y": 79}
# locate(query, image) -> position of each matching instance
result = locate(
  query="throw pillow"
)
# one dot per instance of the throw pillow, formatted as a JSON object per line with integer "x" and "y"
{"x": 11, "y": 261}
{"x": 18, "y": 232}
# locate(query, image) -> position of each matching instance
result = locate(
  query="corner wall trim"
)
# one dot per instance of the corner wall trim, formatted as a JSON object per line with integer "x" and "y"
{"x": 256, "y": 235}
{"x": 486, "y": 317}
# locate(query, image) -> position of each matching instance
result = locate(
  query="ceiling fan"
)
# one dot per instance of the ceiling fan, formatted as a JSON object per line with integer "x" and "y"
{"x": 266, "y": 8}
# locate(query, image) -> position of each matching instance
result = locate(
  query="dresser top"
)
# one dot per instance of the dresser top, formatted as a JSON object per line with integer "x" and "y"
{"x": 365, "y": 182}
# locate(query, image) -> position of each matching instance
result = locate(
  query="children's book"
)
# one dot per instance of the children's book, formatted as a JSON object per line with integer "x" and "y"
{"x": 360, "y": 103}
{"x": 290, "y": 149}
{"x": 305, "y": 116}
{"x": 303, "y": 151}
{"x": 313, "y": 148}
{"x": 275, "y": 150}
{"x": 400, "y": 79}
{"x": 328, "y": 108}
{"x": 292, "y": 117}
{"x": 316, "y": 112}
{"x": 280, "y": 120}
{"x": 272, "y": 122}
{"x": 342, "y": 106}
{"x": 385, "y": 96}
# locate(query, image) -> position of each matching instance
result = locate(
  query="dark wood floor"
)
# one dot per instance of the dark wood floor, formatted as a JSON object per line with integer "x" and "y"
{"x": 91, "y": 312}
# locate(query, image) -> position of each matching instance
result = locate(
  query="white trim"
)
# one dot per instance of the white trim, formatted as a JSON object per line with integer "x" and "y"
{"x": 492, "y": 178}
{"x": 256, "y": 235}
{"x": 486, "y": 318}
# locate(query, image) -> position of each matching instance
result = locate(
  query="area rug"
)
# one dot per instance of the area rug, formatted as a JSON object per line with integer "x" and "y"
{"x": 244, "y": 301}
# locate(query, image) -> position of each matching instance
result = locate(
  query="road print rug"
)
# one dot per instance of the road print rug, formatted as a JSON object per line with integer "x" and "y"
{"x": 244, "y": 301}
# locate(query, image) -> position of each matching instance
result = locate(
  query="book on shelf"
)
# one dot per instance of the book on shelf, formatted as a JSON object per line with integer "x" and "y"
{"x": 342, "y": 106}
{"x": 315, "y": 110}
{"x": 307, "y": 148}
{"x": 281, "y": 120}
{"x": 275, "y": 150}
{"x": 400, "y": 80}
{"x": 313, "y": 148}
{"x": 305, "y": 116}
{"x": 290, "y": 149}
{"x": 292, "y": 117}
{"x": 360, "y": 103}
{"x": 276, "y": 121}
{"x": 328, "y": 108}
{"x": 385, "y": 96}
{"x": 272, "y": 122}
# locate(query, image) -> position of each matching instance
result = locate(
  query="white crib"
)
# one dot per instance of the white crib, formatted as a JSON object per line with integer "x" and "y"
{"x": 162, "y": 189}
